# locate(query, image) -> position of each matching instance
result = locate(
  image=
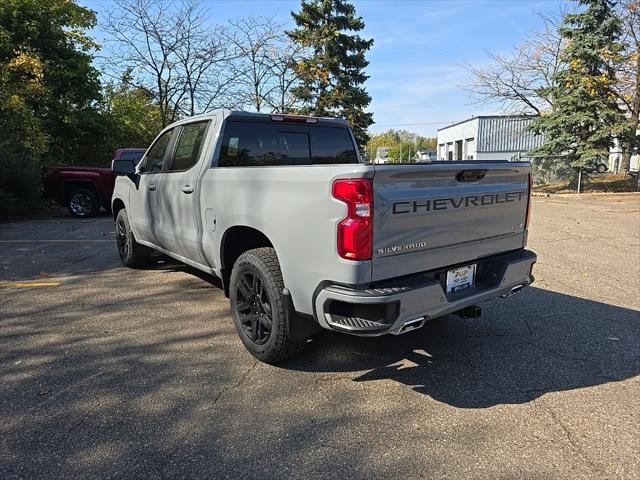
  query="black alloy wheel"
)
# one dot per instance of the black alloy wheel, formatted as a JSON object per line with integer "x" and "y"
{"x": 132, "y": 254}
{"x": 122, "y": 237}
{"x": 254, "y": 307}
{"x": 258, "y": 306}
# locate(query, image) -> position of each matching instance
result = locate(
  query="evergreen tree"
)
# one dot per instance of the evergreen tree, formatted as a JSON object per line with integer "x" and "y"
{"x": 332, "y": 74}
{"x": 585, "y": 117}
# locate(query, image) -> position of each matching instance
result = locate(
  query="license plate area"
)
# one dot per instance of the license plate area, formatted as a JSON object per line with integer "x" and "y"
{"x": 460, "y": 278}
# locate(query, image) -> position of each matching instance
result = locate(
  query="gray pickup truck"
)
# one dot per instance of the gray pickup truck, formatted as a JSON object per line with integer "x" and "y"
{"x": 305, "y": 236}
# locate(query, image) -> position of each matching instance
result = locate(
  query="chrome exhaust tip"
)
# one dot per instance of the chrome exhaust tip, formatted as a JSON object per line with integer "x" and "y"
{"x": 515, "y": 289}
{"x": 410, "y": 325}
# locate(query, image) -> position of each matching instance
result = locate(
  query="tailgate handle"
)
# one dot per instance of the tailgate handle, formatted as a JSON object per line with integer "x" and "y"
{"x": 471, "y": 175}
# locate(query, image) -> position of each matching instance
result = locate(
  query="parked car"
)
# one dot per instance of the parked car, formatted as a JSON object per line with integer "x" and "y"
{"x": 83, "y": 190}
{"x": 599, "y": 166}
{"x": 305, "y": 237}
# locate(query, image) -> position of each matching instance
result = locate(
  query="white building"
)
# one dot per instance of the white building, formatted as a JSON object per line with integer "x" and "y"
{"x": 382, "y": 155}
{"x": 615, "y": 157}
{"x": 501, "y": 137}
{"x": 425, "y": 155}
{"x": 495, "y": 137}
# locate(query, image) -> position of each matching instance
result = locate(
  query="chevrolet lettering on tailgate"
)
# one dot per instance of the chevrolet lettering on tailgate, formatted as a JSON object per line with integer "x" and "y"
{"x": 427, "y": 205}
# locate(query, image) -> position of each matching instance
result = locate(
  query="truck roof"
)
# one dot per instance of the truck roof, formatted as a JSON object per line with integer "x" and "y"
{"x": 240, "y": 114}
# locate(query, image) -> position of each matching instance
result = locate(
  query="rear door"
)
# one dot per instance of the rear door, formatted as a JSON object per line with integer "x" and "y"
{"x": 178, "y": 227}
{"x": 442, "y": 214}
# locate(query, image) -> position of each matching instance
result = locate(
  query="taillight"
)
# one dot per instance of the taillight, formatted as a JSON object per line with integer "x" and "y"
{"x": 526, "y": 223}
{"x": 355, "y": 231}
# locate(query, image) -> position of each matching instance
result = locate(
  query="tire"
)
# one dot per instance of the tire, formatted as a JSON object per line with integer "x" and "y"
{"x": 132, "y": 254}
{"x": 82, "y": 202}
{"x": 257, "y": 306}
{"x": 602, "y": 168}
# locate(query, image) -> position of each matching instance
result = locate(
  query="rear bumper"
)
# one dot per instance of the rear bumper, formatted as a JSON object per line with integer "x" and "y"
{"x": 387, "y": 306}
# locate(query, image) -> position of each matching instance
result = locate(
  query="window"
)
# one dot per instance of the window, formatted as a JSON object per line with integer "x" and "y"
{"x": 250, "y": 144}
{"x": 154, "y": 161}
{"x": 189, "y": 146}
{"x": 332, "y": 145}
{"x": 268, "y": 144}
{"x": 294, "y": 148}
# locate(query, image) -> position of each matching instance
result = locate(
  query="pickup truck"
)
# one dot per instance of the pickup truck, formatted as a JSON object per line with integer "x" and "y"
{"x": 305, "y": 237}
{"x": 83, "y": 190}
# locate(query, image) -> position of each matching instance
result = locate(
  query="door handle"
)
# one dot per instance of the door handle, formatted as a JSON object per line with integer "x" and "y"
{"x": 187, "y": 189}
{"x": 151, "y": 186}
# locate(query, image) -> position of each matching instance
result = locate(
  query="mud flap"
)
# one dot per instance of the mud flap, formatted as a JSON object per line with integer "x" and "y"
{"x": 299, "y": 326}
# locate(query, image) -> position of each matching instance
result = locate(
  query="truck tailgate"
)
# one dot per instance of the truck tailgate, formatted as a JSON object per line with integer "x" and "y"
{"x": 428, "y": 216}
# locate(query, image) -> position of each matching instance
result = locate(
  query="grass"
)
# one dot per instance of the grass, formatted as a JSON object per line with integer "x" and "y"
{"x": 594, "y": 183}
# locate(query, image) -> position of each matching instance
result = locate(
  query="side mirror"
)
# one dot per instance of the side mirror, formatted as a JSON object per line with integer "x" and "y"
{"x": 123, "y": 167}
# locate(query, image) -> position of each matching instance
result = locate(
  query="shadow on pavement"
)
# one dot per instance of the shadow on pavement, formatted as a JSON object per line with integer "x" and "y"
{"x": 120, "y": 379}
{"x": 533, "y": 343}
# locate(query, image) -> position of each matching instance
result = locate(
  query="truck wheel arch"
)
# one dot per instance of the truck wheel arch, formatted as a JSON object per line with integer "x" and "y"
{"x": 116, "y": 206}
{"x": 235, "y": 241}
{"x": 71, "y": 185}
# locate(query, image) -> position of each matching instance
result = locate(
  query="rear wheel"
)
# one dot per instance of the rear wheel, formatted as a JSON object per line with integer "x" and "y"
{"x": 602, "y": 168}
{"x": 132, "y": 254}
{"x": 257, "y": 306}
{"x": 82, "y": 202}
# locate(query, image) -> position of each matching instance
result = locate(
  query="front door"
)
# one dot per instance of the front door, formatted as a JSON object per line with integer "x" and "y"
{"x": 178, "y": 227}
{"x": 143, "y": 200}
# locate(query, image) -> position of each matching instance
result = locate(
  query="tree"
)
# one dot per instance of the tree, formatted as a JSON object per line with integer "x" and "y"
{"x": 519, "y": 81}
{"x": 132, "y": 115}
{"x": 627, "y": 87}
{"x": 264, "y": 65}
{"x": 202, "y": 58}
{"x": 402, "y": 144}
{"x": 48, "y": 92}
{"x": 171, "y": 52}
{"x": 285, "y": 57}
{"x": 332, "y": 71}
{"x": 23, "y": 140}
{"x": 586, "y": 116}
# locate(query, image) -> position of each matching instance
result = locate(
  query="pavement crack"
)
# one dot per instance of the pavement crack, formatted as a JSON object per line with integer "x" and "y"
{"x": 64, "y": 390}
{"x": 237, "y": 384}
{"x": 568, "y": 434}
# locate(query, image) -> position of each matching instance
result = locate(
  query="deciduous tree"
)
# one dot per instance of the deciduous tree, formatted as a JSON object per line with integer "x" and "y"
{"x": 48, "y": 92}
{"x": 627, "y": 86}
{"x": 171, "y": 52}
{"x": 519, "y": 81}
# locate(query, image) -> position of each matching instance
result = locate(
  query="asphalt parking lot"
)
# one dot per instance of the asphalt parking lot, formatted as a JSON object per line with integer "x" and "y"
{"x": 107, "y": 372}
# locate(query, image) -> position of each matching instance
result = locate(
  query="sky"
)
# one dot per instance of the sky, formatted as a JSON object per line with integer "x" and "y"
{"x": 415, "y": 65}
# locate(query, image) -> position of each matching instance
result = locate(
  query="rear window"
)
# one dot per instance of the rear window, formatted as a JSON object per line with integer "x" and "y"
{"x": 267, "y": 144}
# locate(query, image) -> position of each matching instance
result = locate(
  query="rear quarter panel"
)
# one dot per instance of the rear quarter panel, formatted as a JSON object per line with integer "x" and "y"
{"x": 294, "y": 208}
